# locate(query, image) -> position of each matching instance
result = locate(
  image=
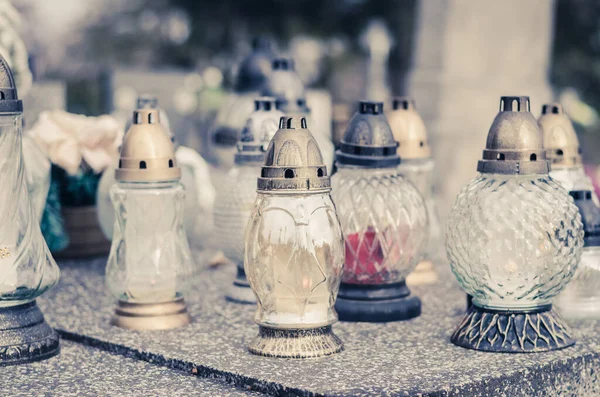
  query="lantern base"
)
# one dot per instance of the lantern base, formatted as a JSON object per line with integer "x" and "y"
{"x": 25, "y": 336}
{"x": 512, "y": 331}
{"x": 240, "y": 291}
{"x": 376, "y": 303}
{"x": 295, "y": 343}
{"x": 151, "y": 316}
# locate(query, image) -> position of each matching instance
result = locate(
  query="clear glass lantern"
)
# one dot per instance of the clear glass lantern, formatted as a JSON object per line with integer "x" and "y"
{"x": 384, "y": 220}
{"x": 253, "y": 74}
{"x": 514, "y": 239}
{"x": 285, "y": 85}
{"x": 562, "y": 149}
{"x": 27, "y": 268}
{"x": 294, "y": 250}
{"x": 150, "y": 262}
{"x": 233, "y": 208}
{"x": 581, "y": 297}
{"x": 37, "y": 174}
{"x": 418, "y": 166}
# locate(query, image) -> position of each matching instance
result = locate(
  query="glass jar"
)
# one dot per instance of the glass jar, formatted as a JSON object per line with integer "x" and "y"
{"x": 581, "y": 297}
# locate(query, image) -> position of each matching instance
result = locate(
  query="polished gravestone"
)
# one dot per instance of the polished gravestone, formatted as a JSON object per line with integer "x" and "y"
{"x": 403, "y": 358}
{"x": 81, "y": 370}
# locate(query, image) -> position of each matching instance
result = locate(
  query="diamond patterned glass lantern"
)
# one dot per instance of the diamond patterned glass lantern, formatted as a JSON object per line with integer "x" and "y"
{"x": 294, "y": 249}
{"x": 514, "y": 239}
{"x": 384, "y": 220}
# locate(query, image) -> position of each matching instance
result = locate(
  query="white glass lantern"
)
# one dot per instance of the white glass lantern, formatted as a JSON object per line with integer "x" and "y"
{"x": 294, "y": 250}
{"x": 581, "y": 297}
{"x": 417, "y": 165}
{"x": 27, "y": 269}
{"x": 514, "y": 239}
{"x": 234, "y": 206}
{"x": 384, "y": 220}
{"x": 150, "y": 262}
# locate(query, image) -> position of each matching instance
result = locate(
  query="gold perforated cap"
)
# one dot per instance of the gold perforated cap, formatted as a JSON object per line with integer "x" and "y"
{"x": 9, "y": 101}
{"x": 514, "y": 142}
{"x": 147, "y": 153}
{"x": 408, "y": 129}
{"x": 293, "y": 162}
{"x": 560, "y": 139}
{"x": 260, "y": 128}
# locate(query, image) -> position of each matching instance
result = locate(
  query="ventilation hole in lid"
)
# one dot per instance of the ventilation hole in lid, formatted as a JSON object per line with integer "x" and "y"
{"x": 533, "y": 157}
{"x": 500, "y": 156}
{"x": 289, "y": 174}
{"x": 421, "y": 143}
{"x": 171, "y": 163}
{"x": 263, "y": 173}
{"x": 2, "y": 95}
{"x": 142, "y": 165}
{"x": 559, "y": 152}
{"x": 320, "y": 172}
{"x": 120, "y": 164}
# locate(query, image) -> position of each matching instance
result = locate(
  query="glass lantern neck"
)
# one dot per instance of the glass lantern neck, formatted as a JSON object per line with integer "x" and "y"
{"x": 148, "y": 185}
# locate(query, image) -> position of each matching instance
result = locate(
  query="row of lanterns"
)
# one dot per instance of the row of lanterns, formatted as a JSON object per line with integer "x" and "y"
{"x": 310, "y": 246}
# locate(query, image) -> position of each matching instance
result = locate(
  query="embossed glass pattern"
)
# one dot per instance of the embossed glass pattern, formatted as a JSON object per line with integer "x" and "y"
{"x": 581, "y": 297}
{"x": 294, "y": 259}
{"x": 513, "y": 241}
{"x": 27, "y": 268}
{"x": 384, "y": 220}
{"x": 150, "y": 260}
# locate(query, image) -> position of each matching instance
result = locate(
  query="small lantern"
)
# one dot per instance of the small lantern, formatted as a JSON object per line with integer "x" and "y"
{"x": 581, "y": 297}
{"x": 27, "y": 268}
{"x": 562, "y": 149}
{"x": 233, "y": 208}
{"x": 514, "y": 239}
{"x": 294, "y": 249}
{"x": 417, "y": 165}
{"x": 150, "y": 262}
{"x": 286, "y": 86}
{"x": 384, "y": 220}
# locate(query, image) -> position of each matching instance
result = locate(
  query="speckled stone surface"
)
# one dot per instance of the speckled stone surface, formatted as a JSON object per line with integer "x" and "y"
{"x": 412, "y": 358}
{"x": 85, "y": 371}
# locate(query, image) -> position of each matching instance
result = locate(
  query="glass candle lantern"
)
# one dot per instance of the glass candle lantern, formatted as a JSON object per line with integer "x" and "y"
{"x": 27, "y": 268}
{"x": 562, "y": 149}
{"x": 581, "y": 297}
{"x": 418, "y": 166}
{"x": 384, "y": 220}
{"x": 286, "y": 86}
{"x": 294, "y": 250}
{"x": 233, "y": 208}
{"x": 253, "y": 75}
{"x": 514, "y": 239}
{"x": 150, "y": 262}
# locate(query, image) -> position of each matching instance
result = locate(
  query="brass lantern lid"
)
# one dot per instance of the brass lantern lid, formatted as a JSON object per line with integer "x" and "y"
{"x": 408, "y": 129}
{"x": 368, "y": 141}
{"x": 255, "y": 69}
{"x": 147, "y": 153}
{"x": 258, "y": 132}
{"x": 9, "y": 101}
{"x": 293, "y": 162}
{"x": 285, "y": 85}
{"x": 590, "y": 216}
{"x": 560, "y": 139}
{"x": 514, "y": 142}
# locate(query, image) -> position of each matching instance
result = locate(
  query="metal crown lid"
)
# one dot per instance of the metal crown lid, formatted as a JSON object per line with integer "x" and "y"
{"x": 408, "y": 129}
{"x": 590, "y": 216}
{"x": 258, "y": 132}
{"x": 293, "y": 162}
{"x": 368, "y": 141}
{"x": 255, "y": 69}
{"x": 147, "y": 153}
{"x": 9, "y": 101}
{"x": 560, "y": 139}
{"x": 514, "y": 142}
{"x": 285, "y": 85}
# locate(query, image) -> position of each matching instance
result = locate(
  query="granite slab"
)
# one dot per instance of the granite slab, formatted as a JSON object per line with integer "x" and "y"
{"x": 85, "y": 371}
{"x": 411, "y": 358}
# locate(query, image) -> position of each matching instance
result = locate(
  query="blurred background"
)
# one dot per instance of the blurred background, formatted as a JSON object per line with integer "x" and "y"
{"x": 455, "y": 57}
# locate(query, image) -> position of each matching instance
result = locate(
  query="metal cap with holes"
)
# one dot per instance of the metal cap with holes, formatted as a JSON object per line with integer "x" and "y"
{"x": 147, "y": 101}
{"x": 408, "y": 129}
{"x": 9, "y": 101}
{"x": 514, "y": 142}
{"x": 560, "y": 139}
{"x": 590, "y": 216}
{"x": 255, "y": 69}
{"x": 285, "y": 85}
{"x": 368, "y": 141}
{"x": 258, "y": 132}
{"x": 293, "y": 162}
{"x": 147, "y": 153}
